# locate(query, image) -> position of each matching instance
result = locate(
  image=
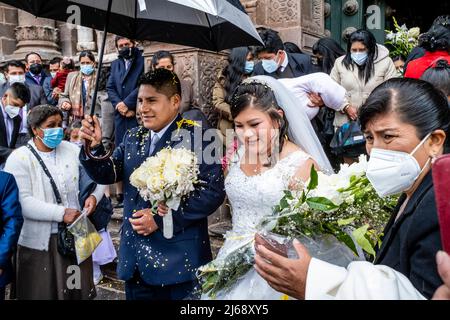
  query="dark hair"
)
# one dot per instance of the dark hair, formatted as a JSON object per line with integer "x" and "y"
{"x": 438, "y": 36}
{"x": 55, "y": 60}
{"x": 291, "y": 47}
{"x": 161, "y": 55}
{"x": 330, "y": 50}
{"x": 234, "y": 71}
{"x": 39, "y": 114}
{"x": 439, "y": 76}
{"x": 117, "y": 38}
{"x": 14, "y": 63}
{"x": 20, "y": 91}
{"x": 87, "y": 53}
{"x": 398, "y": 57}
{"x": 67, "y": 63}
{"x": 416, "y": 102}
{"x": 261, "y": 97}
{"x": 163, "y": 80}
{"x": 367, "y": 38}
{"x": 272, "y": 41}
{"x": 31, "y": 53}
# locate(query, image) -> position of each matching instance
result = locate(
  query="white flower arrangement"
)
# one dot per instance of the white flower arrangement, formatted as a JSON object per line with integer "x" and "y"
{"x": 167, "y": 177}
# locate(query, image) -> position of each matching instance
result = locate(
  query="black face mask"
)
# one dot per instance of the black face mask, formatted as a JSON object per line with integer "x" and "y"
{"x": 126, "y": 53}
{"x": 36, "y": 68}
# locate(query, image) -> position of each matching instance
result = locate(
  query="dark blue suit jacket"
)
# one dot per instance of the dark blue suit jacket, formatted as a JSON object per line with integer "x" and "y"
{"x": 30, "y": 80}
{"x": 48, "y": 90}
{"x": 300, "y": 64}
{"x": 123, "y": 86}
{"x": 11, "y": 221}
{"x": 160, "y": 260}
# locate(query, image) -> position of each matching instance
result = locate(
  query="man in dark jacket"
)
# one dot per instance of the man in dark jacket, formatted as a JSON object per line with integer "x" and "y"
{"x": 122, "y": 88}
{"x": 35, "y": 71}
{"x": 11, "y": 104}
{"x": 11, "y": 221}
{"x": 276, "y": 62}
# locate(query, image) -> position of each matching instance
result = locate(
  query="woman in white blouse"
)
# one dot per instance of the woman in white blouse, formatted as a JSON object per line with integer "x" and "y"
{"x": 42, "y": 272}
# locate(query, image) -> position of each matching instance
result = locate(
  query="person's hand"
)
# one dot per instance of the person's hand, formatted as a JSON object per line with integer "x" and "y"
{"x": 351, "y": 112}
{"x": 162, "y": 209}
{"x": 66, "y": 106}
{"x": 70, "y": 215}
{"x": 91, "y": 130}
{"x": 90, "y": 204}
{"x": 1, "y": 272}
{"x": 56, "y": 92}
{"x": 284, "y": 274}
{"x": 315, "y": 100}
{"x": 143, "y": 222}
{"x": 443, "y": 264}
{"x": 122, "y": 108}
{"x": 130, "y": 113}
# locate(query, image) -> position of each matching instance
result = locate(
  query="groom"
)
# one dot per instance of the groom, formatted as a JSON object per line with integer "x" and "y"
{"x": 152, "y": 266}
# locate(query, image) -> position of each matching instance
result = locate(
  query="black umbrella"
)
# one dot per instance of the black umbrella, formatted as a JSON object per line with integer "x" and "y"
{"x": 207, "y": 24}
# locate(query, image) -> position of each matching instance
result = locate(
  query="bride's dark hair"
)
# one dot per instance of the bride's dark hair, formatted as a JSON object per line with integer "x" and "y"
{"x": 260, "y": 96}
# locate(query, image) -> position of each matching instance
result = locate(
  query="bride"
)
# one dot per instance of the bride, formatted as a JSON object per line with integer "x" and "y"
{"x": 278, "y": 146}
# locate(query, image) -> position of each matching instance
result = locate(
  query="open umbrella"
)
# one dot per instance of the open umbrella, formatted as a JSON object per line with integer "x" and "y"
{"x": 207, "y": 24}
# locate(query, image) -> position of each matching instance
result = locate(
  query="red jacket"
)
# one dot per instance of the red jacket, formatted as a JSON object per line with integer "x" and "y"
{"x": 417, "y": 67}
{"x": 60, "y": 79}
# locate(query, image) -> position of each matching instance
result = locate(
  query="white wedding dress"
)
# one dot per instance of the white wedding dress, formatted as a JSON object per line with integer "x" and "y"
{"x": 251, "y": 199}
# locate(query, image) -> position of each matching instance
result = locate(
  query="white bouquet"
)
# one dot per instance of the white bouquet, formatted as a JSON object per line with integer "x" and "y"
{"x": 167, "y": 177}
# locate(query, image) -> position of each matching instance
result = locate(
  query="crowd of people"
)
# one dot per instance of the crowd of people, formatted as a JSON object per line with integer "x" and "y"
{"x": 327, "y": 109}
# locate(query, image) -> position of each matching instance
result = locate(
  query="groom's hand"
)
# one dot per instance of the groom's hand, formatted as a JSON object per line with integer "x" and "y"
{"x": 162, "y": 209}
{"x": 143, "y": 222}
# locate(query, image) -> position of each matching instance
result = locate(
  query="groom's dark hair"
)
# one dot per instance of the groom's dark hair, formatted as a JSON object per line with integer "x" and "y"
{"x": 164, "y": 81}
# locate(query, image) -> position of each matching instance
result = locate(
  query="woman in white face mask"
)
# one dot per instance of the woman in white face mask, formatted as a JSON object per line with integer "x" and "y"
{"x": 365, "y": 65}
{"x": 406, "y": 124}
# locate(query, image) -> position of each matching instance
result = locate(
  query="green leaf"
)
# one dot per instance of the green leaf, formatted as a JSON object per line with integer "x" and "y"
{"x": 284, "y": 204}
{"x": 344, "y": 222}
{"x": 321, "y": 204}
{"x": 314, "y": 179}
{"x": 360, "y": 237}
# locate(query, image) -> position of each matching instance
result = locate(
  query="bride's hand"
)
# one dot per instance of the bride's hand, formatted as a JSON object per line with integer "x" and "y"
{"x": 283, "y": 274}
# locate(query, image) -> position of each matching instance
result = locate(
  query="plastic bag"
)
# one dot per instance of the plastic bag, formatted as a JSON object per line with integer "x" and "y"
{"x": 86, "y": 237}
{"x": 324, "y": 247}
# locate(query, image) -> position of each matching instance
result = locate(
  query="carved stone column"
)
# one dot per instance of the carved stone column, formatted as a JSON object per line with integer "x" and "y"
{"x": 85, "y": 37}
{"x": 36, "y": 34}
{"x": 8, "y": 23}
{"x": 298, "y": 21}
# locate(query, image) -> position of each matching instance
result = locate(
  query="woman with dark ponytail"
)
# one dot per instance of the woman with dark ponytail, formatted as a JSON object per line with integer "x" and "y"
{"x": 436, "y": 43}
{"x": 439, "y": 76}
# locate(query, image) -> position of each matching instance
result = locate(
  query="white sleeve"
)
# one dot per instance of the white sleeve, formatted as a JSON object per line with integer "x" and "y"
{"x": 98, "y": 192}
{"x": 361, "y": 280}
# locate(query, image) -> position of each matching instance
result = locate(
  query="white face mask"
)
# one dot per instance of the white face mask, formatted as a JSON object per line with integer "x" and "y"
{"x": 392, "y": 172}
{"x": 12, "y": 111}
{"x": 17, "y": 78}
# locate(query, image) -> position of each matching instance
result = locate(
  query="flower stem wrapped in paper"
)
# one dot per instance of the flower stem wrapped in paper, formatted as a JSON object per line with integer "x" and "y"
{"x": 86, "y": 237}
{"x": 337, "y": 217}
{"x": 167, "y": 177}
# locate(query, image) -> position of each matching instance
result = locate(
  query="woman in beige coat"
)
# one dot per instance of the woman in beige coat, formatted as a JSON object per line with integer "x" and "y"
{"x": 365, "y": 66}
{"x": 240, "y": 66}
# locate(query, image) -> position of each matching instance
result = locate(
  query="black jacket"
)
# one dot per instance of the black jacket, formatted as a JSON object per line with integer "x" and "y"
{"x": 5, "y": 148}
{"x": 300, "y": 64}
{"x": 410, "y": 244}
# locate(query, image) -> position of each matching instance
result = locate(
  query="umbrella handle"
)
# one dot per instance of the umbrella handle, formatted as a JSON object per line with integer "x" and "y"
{"x": 97, "y": 81}
{"x": 87, "y": 148}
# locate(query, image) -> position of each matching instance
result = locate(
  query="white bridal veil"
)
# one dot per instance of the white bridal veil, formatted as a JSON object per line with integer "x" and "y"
{"x": 300, "y": 131}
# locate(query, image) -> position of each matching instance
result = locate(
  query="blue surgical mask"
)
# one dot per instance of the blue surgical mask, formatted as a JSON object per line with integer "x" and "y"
{"x": 270, "y": 65}
{"x": 53, "y": 74}
{"x": 249, "y": 65}
{"x": 52, "y": 137}
{"x": 87, "y": 69}
{"x": 359, "y": 58}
